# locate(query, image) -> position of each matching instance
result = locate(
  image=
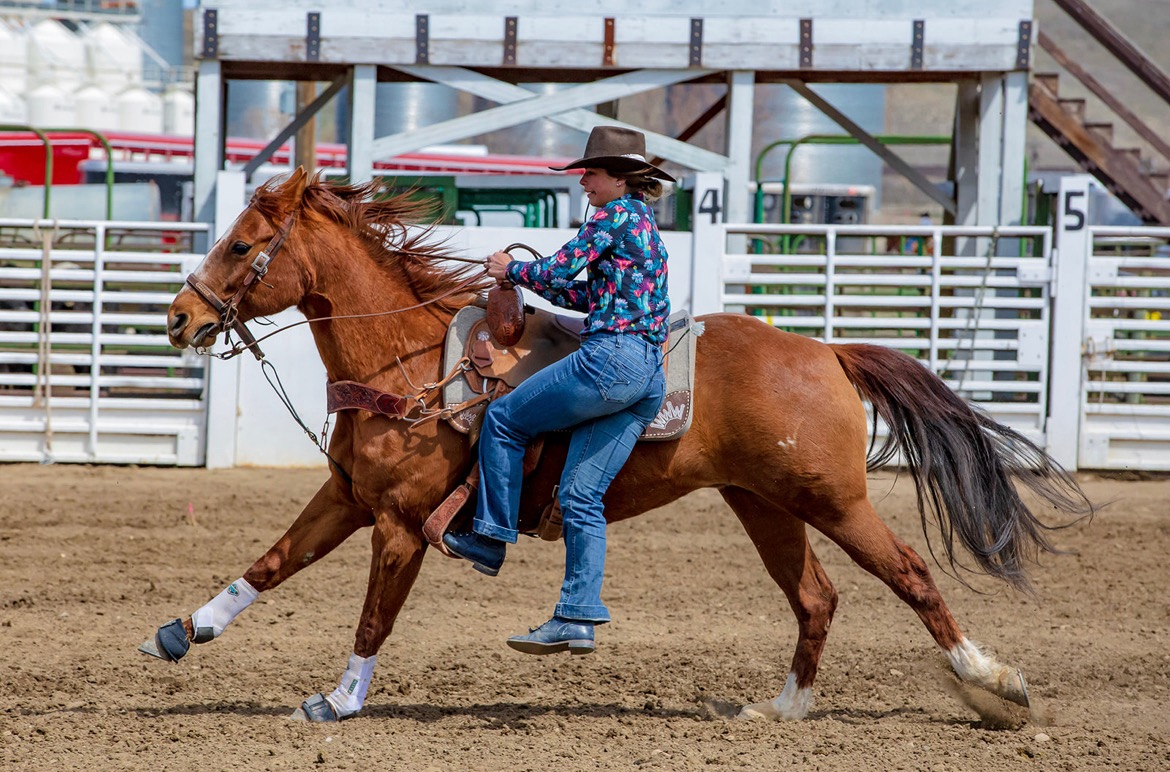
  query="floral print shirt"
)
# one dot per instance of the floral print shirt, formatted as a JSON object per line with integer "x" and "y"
{"x": 624, "y": 289}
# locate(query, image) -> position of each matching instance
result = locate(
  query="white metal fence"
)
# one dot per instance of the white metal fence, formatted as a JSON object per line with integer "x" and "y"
{"x": 1071, "y": 347}
{"x": 1125, "y": 396}
{"x": 970, "y": 303}
{"x": 86, "y": 373}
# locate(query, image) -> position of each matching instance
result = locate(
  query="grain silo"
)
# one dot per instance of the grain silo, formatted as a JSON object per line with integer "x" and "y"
{"x": 56, "y": 56}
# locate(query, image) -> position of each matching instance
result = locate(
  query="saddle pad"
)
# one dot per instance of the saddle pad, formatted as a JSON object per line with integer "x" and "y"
{"x": 551, "y": 331}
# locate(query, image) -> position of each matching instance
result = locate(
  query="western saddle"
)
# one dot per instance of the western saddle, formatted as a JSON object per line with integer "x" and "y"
{"x": 479, "y": 368}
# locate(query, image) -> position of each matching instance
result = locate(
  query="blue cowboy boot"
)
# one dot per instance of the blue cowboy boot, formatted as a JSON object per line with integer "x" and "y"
{"x": 557, "y": 634}
{"x": 485, "y": 553}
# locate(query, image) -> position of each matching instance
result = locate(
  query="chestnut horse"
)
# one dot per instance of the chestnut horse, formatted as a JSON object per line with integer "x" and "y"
{"x": 779, "y": 429}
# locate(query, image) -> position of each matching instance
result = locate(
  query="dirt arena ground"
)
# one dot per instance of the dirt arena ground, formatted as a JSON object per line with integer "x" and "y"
{"x": 93, "y": 559}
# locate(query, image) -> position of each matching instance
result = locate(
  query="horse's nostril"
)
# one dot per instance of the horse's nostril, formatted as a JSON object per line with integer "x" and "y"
{"x": 178, "y": 322}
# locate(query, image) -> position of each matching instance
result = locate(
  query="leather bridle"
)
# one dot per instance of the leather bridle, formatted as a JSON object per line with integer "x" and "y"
{"x": 229, "y": 310}
{"x": 402, "y": 407}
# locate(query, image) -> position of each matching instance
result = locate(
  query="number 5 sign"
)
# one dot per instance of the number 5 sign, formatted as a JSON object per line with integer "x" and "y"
{"x": 1073, "y": 211}
{"x": 1070, "y": 293}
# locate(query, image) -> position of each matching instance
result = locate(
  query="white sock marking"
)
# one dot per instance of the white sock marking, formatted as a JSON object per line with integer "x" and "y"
{"x": 970, "y": 664}
{"x": 792, "y": 704}
{"x": 973, "y": 666}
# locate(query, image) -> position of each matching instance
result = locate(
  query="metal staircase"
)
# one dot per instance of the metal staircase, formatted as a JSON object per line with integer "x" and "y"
{"x": 1139, "y": 182}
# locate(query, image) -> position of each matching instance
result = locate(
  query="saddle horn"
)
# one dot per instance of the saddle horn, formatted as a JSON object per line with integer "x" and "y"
{"x": 505, "y": 307}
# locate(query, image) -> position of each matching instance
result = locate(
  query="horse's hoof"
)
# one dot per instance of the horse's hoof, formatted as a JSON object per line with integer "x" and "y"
{"x": 769, "y": 711}
{"x": 1025, "y": 700}
{"x": 316, "y": 710}
{"x": 169, "y": 643}
{"x": 758, "y": 710}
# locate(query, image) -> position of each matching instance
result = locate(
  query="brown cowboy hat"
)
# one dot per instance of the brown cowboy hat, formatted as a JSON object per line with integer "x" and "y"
{"x": 616, "y": 149}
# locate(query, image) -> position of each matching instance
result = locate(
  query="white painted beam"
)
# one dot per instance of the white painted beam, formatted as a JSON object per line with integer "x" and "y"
{"x": 774, "y": 8}
{"x": 1014, "y": 137}
{"x": 487, "y": 87}
{"x": 990, "y": 139}
{"x": 532, "y": 107}
{"x": 223, "y": 376}
{"x": 209, "y": 140}
{"x": 863, "y": 35}
{"x": 360, "y": 145}
{"x": 741, "y": 87}
{"x": 708, "y": 240}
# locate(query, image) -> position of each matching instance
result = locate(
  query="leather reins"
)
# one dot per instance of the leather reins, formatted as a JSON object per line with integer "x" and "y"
{"x": 229, "y": 319}
{"x": 229, "y": 310}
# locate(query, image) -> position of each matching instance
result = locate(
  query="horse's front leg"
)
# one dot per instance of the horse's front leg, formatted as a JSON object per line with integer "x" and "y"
{"x": 328, "y": 520}
{"x": 398, "y": 550}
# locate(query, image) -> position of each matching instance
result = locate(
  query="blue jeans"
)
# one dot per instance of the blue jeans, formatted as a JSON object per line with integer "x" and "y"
{"x": 607, "y": 391}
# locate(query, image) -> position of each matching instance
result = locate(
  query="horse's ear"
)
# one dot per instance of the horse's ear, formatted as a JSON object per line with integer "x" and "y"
{"x": 295, "y": 186}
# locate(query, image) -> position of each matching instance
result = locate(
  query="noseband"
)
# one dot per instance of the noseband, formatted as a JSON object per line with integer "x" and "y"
{"x": 229, "y": 310}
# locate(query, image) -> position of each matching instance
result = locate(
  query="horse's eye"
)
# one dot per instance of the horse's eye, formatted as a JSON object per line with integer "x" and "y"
{"x": 240, "y": 248}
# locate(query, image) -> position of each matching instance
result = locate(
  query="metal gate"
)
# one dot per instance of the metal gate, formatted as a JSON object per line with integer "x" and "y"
{"x": 1125, "y": 396}
{"x": 971, "y": 303}
{"x": 86, "y": 373}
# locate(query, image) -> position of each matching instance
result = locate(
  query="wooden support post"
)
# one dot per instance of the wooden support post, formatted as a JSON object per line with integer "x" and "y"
{"x": 305, "y": 151}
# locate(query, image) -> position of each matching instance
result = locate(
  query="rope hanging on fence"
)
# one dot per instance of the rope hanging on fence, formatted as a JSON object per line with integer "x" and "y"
{"x": 971, "y": 329}
{"x": 43, "y": 384}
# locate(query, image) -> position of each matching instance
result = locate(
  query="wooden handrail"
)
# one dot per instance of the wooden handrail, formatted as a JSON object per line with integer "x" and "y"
{"x": 1116, "y": 171}
{"x": 1118, "y": 45}
{"x": 1104, "y": 94}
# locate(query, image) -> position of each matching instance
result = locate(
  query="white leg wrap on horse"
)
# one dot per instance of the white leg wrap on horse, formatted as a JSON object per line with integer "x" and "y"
{"x": 974, "y": 667}
{"x": 350, "y": 694}
{"x": 212, "y": 619}
{"x": 792, "y": 704}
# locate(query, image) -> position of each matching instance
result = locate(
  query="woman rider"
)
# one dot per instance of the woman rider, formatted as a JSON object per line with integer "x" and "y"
{"x": 606, "y": 392}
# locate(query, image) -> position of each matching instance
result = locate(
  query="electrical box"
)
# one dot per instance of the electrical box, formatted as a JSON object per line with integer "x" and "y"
{"x": 816, "y": 204}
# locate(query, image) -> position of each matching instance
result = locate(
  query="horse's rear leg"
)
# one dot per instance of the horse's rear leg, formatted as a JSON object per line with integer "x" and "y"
{"x": 783, "y": 545}
{"x": 329, "y": 519}
{"x": 398, "y": 551}
{"x": 871, "y": 544}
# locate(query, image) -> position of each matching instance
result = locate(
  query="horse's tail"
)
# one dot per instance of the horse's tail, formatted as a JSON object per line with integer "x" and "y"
{"x": 963, "y": 463}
